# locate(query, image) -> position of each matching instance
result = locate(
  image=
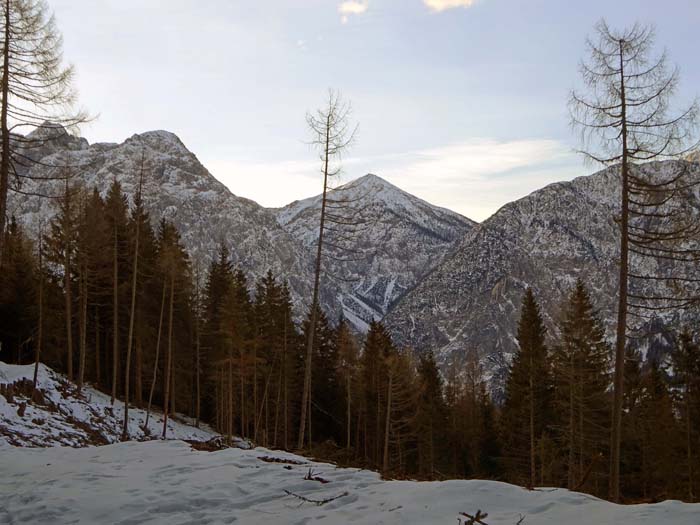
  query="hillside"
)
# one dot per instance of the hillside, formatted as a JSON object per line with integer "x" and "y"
{"x": 470, "y": 303}
{"x": 61, "y": 415}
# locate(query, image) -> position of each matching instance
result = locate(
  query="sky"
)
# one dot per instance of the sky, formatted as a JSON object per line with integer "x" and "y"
{"x": 460, "y": 102}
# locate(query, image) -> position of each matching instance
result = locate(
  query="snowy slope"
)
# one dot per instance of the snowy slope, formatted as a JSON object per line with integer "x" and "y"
{"x": 178, "y": 187}
{"x": 471, "y": 302}
{"x": 64, "y": 417}
{"x": 400, "y": 239}
{"x": 168, "y": 482}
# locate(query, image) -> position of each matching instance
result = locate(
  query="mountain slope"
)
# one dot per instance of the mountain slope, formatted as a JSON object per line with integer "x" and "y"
{"x": 178, "y": 187}
{"x": 394, "y": 241}
{"x": 471, "y": 302}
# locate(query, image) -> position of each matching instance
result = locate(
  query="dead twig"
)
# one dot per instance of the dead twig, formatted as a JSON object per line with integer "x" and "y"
{"x": 475, "y": 519}
{"x": 311, "y": 476}
{"x": 318, "y": 502}
{"x": 271, "y": 459}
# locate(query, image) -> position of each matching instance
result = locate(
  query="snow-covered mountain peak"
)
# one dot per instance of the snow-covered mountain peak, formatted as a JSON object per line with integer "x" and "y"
{"x": 397, "y": 240}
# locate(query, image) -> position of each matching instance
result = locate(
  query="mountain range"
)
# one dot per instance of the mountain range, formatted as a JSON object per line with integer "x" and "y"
{"x": 439, "y": 280}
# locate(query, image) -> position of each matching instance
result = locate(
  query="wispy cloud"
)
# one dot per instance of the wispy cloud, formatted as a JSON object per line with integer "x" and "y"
{"x": 443, "y": 5}
{"x": 473, "y": 177}
{"x": 352, "y": 7}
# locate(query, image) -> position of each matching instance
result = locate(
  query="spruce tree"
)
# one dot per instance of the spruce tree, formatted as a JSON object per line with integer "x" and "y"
{"x": 431, "y": 418}
{"x": 661, "y": 437}
{"x": 325, "y": 413}
{"x": 62, "y": 246}
{"x": 373, "y": 364}
{"x": 18, "y": 295}
{"x": 116, "y": 213}
{"x": 581, "y": 362}
{"x": 527, "y": 409}
{"x": 685, "y": 360}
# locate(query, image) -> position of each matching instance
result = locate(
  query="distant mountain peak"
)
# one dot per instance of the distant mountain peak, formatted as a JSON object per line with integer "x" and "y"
{"x": 372, "y": 182}
{"x": 159, "y": 139}
{"x": 404, "y": 238}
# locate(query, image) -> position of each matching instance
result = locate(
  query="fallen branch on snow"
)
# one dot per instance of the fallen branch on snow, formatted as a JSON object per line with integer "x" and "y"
{"x": 311, "y": 476}
{"x": 476, "y": 519}
{"x": 318, "y": 502}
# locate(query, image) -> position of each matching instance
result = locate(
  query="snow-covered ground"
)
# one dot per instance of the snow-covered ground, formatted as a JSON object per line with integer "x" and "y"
{"x": 46, "y": 479}
{"x": 168, "y": 482}
{"x": 63, "y": 416}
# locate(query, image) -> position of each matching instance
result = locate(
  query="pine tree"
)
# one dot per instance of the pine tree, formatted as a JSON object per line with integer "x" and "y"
{"x": 685, "y": 360}
{"x": 431, "y": 418}
{"x": 527, "y": 407}
{"x": 661, "y": 438}
{"x": 373, "y": 373}
{"x": 174, "y": 263}
{"x": 116, "y": 207}
{"x": 95, "y": 247}
{"x": 348, "y": 357}
{"x": 325, "y": 420}
{"x": 235, "y": 326}
{"x": 580, "y": 363}
{"x": 62, "y": 246}
{"x": 18, "y": 295}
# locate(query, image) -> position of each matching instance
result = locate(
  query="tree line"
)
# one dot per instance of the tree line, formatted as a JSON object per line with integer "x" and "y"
{"x": 108, "y": 299}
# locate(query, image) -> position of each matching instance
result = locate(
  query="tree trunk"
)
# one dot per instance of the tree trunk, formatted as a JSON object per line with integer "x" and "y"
{"x": 132, "y": 315}
{"x": 621, "y": 337}
{"x": 68, "y": 296}
{"x": 83, "y": 325}
{"x": 571, "y": 481}
{"x": 169, "y": 358}
{"x": 255, "y": 391}
{"x": 387, "y": 426}
{"x": 40, "y": 331}
{"x": 306, "y": 395}
{"x": 5, "y": 158}
{"x": 155, "y": 362}
{"x": 532, "y": 424}
{"x": 689, "y": 441}
{"x": 286, "y": 393}
{"x": 98, "y": 371}
{"x": 115, "y": 312}
{"x": 138, "y": 372}
{"x": 229, "y": 429}
{"x": 197, "y": 365}
{"x": 349, "y": 413}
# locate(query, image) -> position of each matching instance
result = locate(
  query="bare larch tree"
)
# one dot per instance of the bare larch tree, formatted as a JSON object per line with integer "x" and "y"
{"x": 138, "y": 214}
{"x": 625, "y": 119}
{"x": 35, "y": 88}
{"x": 331, "y": 135}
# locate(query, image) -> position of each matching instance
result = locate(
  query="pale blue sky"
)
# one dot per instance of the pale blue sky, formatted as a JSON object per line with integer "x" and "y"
{"x": 463, "y": 106}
